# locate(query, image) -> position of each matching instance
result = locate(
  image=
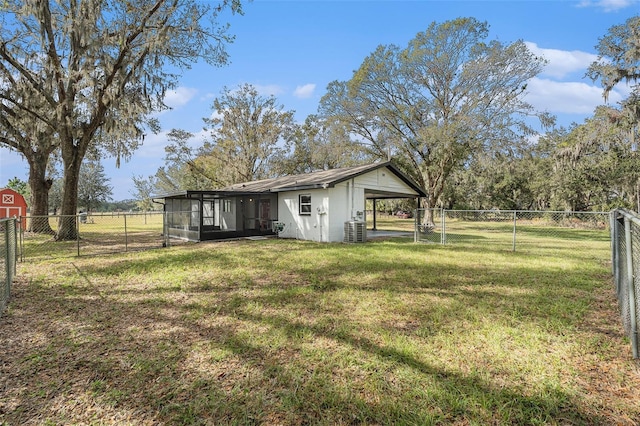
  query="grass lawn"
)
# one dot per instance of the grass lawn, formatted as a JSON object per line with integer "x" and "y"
{"x": 292, "y": 332}
{"x": 99, "y": 234}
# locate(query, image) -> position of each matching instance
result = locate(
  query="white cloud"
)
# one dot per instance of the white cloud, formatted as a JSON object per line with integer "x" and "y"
{"x": 268, "y": 90}
{"x": 562, "y": 62}
{"x": 608, "y": 5}
{"x": 179, "y": 97}
{"x": 568, "y": 97}
{"x": 304, "y": 92}
{"x": 153, "y": 146}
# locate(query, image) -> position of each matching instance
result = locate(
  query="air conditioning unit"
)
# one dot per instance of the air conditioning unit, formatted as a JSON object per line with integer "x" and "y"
{"x": 355, "y": 232}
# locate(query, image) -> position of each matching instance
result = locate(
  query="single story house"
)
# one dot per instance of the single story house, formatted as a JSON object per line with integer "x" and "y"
{"x": 326, "y": 205}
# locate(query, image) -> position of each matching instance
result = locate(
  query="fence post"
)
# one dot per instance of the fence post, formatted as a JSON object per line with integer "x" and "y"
{"x": 126, "y": 239}
{"x": 630, "y": 284}
{"x": 13, "y": 255}
{"x": 7, "y": 262}
{"x": 515, "y": 219}
{"x": 443, "y": 231}
{"x": 615, "y": 250}
{"x": 77, "y": 234}
{"x": 21, "y": 239}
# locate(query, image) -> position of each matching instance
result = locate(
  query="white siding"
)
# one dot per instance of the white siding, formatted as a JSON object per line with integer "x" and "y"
{"x": 342, "y": 203}
{"x": 384, "y": 180}
{"x": 345, "y": 201}
{"x": 311, "y": 227}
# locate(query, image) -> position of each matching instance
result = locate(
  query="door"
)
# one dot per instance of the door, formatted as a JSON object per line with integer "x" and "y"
{"x": 10, "y": 212}
{"x": 265, "y": 215}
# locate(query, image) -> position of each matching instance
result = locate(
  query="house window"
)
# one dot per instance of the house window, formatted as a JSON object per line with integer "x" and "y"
{"x": 305, "y": 204}
{"x": 226, "y": 206}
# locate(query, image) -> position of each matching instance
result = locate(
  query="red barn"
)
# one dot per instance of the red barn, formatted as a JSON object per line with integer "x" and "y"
{"x": 12, "y": 204}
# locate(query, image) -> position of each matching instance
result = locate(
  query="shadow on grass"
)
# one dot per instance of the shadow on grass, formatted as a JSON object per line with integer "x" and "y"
{"x": 144, "y": 360}
{"x": 270, "y": 347}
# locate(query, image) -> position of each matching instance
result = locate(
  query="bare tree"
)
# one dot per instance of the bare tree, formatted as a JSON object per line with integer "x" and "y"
{"x": 321, "y": 144}
{"x": 248, "y": 133}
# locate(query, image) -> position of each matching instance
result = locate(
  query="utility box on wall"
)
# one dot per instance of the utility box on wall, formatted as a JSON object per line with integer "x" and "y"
{"x": 12, "y": 204}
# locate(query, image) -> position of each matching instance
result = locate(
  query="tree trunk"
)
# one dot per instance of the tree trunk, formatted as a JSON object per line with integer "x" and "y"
{"x": 67, "y": 229}
{"x": 39, "y": 186}
{"x": 427, "y": 219}
{"x": 434, "y": 190}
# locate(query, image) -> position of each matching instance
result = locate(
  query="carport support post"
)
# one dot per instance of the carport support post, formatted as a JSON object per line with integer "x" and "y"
{"x": 374, "y": 215}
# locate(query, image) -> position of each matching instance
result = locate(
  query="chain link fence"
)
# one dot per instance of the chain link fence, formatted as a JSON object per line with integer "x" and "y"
{"x": 510, "y": 229}
{"x": 95, "y": 234}
{"x": 625, "y": 248}
{"x": 8, "y": 258}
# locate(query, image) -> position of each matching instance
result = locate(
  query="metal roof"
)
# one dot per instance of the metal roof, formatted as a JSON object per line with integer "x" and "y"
{"x": 314, "y": 180}
{"x": 320, "y": 179}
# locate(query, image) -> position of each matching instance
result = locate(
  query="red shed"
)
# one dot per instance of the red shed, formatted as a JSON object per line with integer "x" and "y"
{"x": 12, "y": 204}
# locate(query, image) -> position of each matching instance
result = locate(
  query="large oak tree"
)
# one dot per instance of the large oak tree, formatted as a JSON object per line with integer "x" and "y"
{"x": 619, "y": 61}
{"x": 79, "y": 73}
{"x": 436, "y": 102}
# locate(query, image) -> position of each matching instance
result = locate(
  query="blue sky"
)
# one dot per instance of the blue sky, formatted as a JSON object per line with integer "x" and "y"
{"x": 293, "y": 49}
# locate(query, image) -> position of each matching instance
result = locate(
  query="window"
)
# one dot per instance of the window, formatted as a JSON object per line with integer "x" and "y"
{"x": 226, "y": 206}
{"x": 305, "y": 204}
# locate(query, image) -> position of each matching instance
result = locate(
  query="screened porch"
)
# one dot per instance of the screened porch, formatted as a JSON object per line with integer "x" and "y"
{"x": 212, "y": 215}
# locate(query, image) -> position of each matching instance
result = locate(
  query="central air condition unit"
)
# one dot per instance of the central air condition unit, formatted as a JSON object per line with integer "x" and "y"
{"x": 355, "y": 232}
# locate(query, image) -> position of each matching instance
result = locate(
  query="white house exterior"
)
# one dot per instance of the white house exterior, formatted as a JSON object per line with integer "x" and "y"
{"x": 315, "y": 206}
{"x": 331, "y": 207}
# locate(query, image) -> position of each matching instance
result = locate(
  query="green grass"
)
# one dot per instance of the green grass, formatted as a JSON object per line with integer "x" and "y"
{"x": 292, "y": 332}
{"x": 100, "y": 234}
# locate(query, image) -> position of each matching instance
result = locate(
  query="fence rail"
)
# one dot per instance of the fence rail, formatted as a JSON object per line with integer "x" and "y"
{"x": 8, "y": 258}
{"x": 510, "y": 229}
{"x": 625, "y": 248}
{"x": 95, "y": 234}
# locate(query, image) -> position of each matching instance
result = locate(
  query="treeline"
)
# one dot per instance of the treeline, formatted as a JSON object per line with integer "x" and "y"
{"x": 449, "y": 109}
{"x": 594, "y": 166}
